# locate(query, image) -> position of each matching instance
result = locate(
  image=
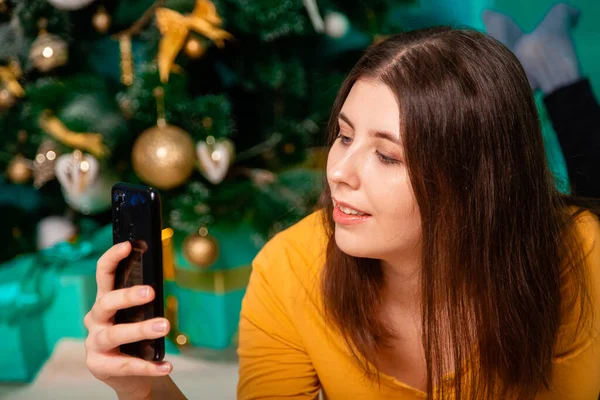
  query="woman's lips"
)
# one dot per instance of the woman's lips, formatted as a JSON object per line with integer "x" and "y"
{"x": 346, "y": 214}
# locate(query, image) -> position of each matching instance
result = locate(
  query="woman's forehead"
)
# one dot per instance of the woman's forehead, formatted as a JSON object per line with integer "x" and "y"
{"x": 372, "y": 105}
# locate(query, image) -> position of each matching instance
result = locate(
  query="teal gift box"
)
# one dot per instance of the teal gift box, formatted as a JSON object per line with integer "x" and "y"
{"x": 22, "y": 338}
{"x": 209, "y": 300}
{"x": 23, "y": 349}
{"x": 44, "y": 297}
{"x": 64, "y": 315}
{"x": 75, "y": 283}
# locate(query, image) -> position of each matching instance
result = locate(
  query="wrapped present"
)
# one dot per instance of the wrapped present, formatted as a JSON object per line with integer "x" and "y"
{"x": 64, "y": 315}
{"x": 22, "y": 339}
{"x": 44, "y": 296}
{"x": 76, "y": 279}
{"x": 209, "y": 297}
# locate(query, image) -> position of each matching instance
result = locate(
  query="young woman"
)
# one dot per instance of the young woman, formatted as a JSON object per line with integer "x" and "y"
{"x": 443, "y": 261}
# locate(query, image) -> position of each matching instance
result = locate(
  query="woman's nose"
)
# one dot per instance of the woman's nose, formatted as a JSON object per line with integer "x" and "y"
{"x": 344, "y": 170}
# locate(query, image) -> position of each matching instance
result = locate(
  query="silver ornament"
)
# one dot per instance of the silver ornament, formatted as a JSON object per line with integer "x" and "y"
{"x": 70, "y": 5}
{"x": 336, "y": 25}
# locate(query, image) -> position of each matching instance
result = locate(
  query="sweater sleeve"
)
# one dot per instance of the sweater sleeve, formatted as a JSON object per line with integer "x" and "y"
{"x": 575, "y": 116}
{"x": 273, "y": 361}
{"x": 576, "y": 365}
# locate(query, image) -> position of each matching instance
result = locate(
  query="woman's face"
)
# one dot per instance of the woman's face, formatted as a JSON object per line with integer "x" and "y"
{"x": 367, "y": 175}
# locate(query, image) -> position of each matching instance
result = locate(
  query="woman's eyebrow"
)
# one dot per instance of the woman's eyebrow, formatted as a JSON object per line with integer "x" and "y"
{"x": 345, "y": 118}
{"x": 392, "y": 137}
{"x": 387, "y": 136}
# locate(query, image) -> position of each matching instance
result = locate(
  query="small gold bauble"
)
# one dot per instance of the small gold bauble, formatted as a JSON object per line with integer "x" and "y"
{"x": 201, "y": 250}
{"x": 101, "y": 20}
{"x": 163, "y": 156}
{"x": 289, "y": 148}
{"x": 194, "y": 48}
{"x": 182, "y": 339}
{"x": 7, "y": 99}
{"x": 18, "y": 170}
{"x": 48, "y": 52}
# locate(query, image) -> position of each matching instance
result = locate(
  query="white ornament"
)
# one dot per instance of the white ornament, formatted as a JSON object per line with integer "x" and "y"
{"x": 313, "y": 13}
{"x": 54, "y": 229}
{"x": 215, "y": 157}
{"x": 336, "y": 25}
{"x": 95, "y": 199}
{"x": 76, "y": 171}
{"x": 70, "y": 5}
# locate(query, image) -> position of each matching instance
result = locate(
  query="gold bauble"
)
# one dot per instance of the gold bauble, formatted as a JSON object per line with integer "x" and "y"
{"x": 18, "y": 170}
{"x": 163, "y": 156}
{"x": 182, "y": 340}
{"x": 48, "y": 52}
{"x": 201, "y": 250}
{"x": 289, "y": 148}
{"x": 7, "y": 99}
{"x": 101, "y": 20}
{"x": 194, "y": 48}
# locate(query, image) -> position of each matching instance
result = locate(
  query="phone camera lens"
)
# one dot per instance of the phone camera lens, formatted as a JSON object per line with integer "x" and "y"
{"x": 118, "y": 196}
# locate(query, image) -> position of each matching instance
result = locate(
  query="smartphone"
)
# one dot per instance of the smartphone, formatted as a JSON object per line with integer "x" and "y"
{"x": 136, "y": 217}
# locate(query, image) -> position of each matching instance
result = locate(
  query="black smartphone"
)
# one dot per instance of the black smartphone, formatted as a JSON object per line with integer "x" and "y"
{"x": 136, "y": 217}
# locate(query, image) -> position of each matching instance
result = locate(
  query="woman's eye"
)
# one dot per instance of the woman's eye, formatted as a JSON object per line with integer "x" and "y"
{"x": 387, "y": 160}
{"x": 346, "y": 140}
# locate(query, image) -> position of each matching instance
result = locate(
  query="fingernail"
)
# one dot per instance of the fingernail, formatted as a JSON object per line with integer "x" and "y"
{"x": 144, "y": 291}
{"x": 122, "y": 245}
{"x": 159, "y": 326}
{"x": 164, "y": 367}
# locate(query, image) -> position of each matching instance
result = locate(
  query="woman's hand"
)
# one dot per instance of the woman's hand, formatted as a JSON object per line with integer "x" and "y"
{"x": 129, "y": 376}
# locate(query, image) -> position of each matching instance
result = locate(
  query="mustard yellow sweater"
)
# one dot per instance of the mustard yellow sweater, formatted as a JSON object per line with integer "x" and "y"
{"x": 287, "y": 351}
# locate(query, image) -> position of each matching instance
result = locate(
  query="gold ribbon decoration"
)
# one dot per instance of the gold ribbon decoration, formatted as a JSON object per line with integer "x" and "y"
{"x": 175, "y": 28}
{"x": 168, "y": 257}
{"x": 126, "y": 60}
{"x": 217, "y": 282}
{"x": 86, "y": 141}
{"x": 9, "y": 75}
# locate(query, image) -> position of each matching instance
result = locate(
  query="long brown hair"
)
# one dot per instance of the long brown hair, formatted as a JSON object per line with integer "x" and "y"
{"x": 495, "y": 230}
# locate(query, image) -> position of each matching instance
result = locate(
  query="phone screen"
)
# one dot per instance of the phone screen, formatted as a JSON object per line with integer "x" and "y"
{"x": 130, "y": 272}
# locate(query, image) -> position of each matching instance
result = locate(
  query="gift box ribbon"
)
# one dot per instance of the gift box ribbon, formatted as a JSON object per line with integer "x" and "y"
{"x": 214, "y": 281}
{"x": 28, "y": 282}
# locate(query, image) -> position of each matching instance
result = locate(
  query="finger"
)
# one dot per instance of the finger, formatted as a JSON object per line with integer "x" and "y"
{"x": 107, "y": 264}
{"x": 105, "y": 367}
{"x": 120, "y": 299}
{"x": 113, "y": 336}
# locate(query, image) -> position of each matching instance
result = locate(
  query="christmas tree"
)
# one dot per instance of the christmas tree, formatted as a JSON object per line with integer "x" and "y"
{"x": 221, "y": 105}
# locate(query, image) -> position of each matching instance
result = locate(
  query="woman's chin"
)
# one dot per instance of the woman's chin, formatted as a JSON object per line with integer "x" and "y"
{"x": 352, "y": 246}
